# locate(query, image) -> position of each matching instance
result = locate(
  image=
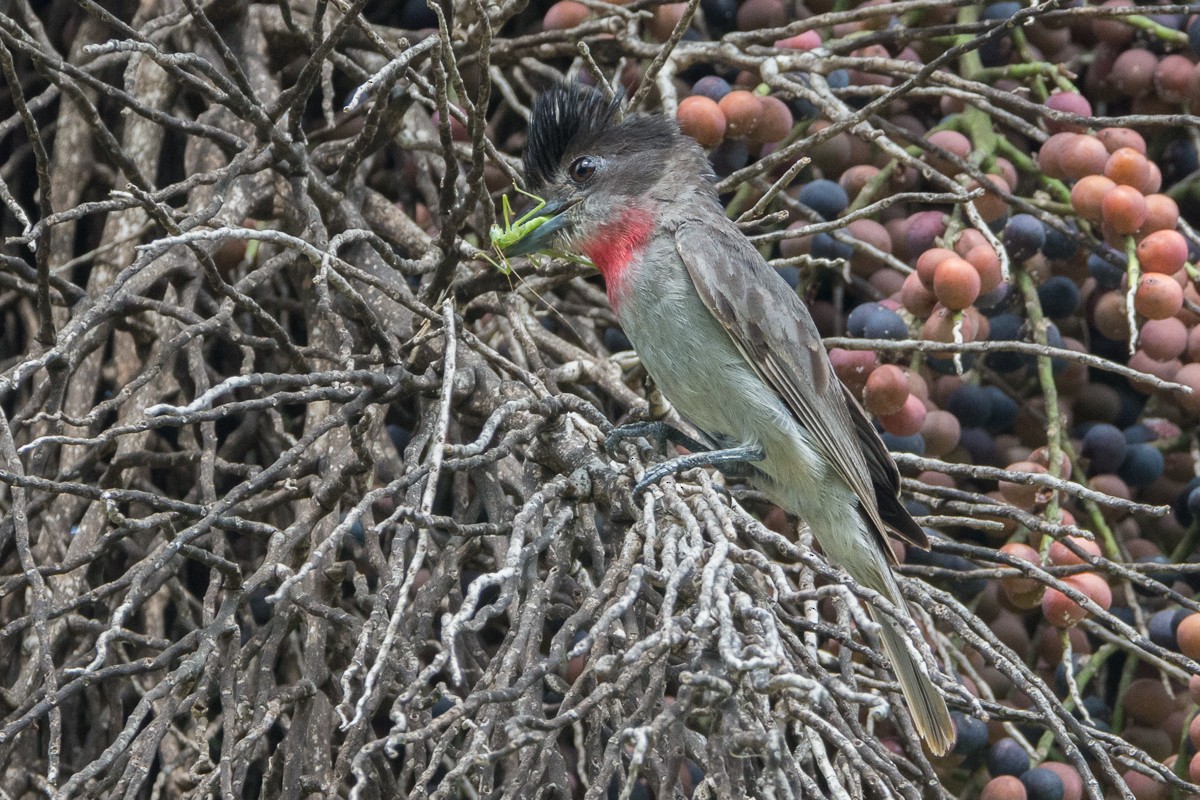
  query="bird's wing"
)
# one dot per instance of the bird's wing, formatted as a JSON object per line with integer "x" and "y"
{"x": 773, "y": 330}
{"x": 885, "y": 477}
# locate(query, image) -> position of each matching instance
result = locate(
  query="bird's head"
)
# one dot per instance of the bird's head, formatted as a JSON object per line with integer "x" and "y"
{"x": 602, "y": 173}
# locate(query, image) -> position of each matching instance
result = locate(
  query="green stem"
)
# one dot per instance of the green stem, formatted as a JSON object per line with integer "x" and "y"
{"x": 1045, "y": 372}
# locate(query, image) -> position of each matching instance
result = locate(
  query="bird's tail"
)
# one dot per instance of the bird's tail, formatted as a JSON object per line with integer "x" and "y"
{"x": 929, "y": 712}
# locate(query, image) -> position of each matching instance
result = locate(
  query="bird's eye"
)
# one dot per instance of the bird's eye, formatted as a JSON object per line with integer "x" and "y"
{"x": 582, "y": 169}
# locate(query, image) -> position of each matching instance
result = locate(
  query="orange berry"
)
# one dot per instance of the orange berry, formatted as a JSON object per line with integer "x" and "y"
{"x": 1124, "y": 209}
{"x": 1188, "y": 636}
{"x": 927, "y": 263}
{"x": 1189, "y": 375}
{"x": 1162, "y": 213}
{"x": 1164, "y": 339}
{"x": 564, "y": 15}
{"x": 1050, "y": 156}
{"x": 953, "y": 142}
{"x": 742, "y": 110}
{"x": 774, "y": 124}
{"x": 1020, "y": 494}
{"x": 915, "y": 297}
{"x": 1163, "y": 251}
{"x": 1004, "y": 787}
{"x": 1116, "y": 138}
{"x": 1158, "y": 296}
{"x": 983, "y": 257}
{"x": 1147, "y": 702}
{"x": 956, "y": 283}
{"x": 700, "y": 118}
{"x": 1087, "y": 195}
{"x": 666, "y": 17}
{"x": 908, "y": 420}
{"x": 1019, "y": 586}
{"x": 1063, "y": 612}
{"x": 1061, "y": 556}
{"x": 886, "y": 391}
{"x": 1086, "y": 156}
{"x": 1128, "y": 167}
{"x": 991, "y": 206}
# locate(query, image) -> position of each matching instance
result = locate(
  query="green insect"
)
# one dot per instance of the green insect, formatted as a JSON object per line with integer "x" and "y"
{"x": 514, "y": 231}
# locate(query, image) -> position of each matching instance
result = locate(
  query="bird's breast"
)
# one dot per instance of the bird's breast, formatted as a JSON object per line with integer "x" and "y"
{"x": 617, "y": 246}
{"x": 697, "y": 367}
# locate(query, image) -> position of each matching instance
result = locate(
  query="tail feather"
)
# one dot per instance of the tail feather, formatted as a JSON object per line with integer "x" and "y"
{"x": 929, "y": 712}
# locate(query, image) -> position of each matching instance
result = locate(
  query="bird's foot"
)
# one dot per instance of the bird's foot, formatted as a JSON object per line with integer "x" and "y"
{"x": 716, "y": 458}
{"x": 658, "y": 431}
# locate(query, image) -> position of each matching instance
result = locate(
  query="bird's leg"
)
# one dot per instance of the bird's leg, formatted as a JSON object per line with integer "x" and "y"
{"x": 731, "y": 455}
{"x": 658, "y": 431}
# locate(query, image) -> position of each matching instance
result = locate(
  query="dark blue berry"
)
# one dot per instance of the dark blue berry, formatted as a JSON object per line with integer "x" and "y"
{"x": 1140, "y": 434}
{"x": 971, "y": 735}
{"x": 616, "y": 341}
{"x": 825, "y": 246}
{"x": 825, "y": 197}
{"x": 729, "y": 156}
{"x": 790, "y": 274}
{"x": 721, "y": 15}
{"x": 883, "y": 323}
{"x": 1193, "y": 34}
{"x": 1003, "y": 412}
{"x": 1006, "y": 757}
{"x": 400, "y": 437}
{"x": 1023, "y": 236}
{"x": 1162, "y": 626}
{"x": 838, "y": 79}
{"x": 1005, "y": 328}
{"x": 1060, "y": 246}
{"x": 980, "y": 444}
{"x": 1059, "y": 296}
{"x": 914, "y": 444}
{"x": 1187, "y": 505}
{"x": 944, "y": 365}
{"x": 1043, "y": 784}
{"x": 1108, "y": 275}
{"x": 999, "y": 12}
{"x": 1142, "y": 465}
{"x": 714, "y": 87}
{"x": 417, "y": 15}
{"x": 971, "y": 404}
{"x": 1104, "y": 445}
{"x": 856, "y": 323}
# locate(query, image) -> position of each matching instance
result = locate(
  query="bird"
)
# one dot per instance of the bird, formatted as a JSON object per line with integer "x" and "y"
{"x": 725, "y": 339}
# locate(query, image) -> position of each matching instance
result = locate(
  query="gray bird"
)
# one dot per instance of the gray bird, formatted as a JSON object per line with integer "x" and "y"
{"x": 725, "y": 339}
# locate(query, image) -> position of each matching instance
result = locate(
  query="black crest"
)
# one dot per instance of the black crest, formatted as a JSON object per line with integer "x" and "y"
{"x": 564, "y": 115}
{"x": 574, "y": 118}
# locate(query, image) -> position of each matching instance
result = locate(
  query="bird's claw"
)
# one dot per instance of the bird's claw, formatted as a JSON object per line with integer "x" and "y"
{"x": 707, "y": 458}
{"x": 650, "y": 430}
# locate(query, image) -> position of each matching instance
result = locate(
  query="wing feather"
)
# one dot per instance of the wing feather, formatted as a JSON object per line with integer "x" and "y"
{"x": 776, "y": 335}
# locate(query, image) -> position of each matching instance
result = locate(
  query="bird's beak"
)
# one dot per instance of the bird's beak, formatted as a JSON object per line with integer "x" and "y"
{"x": 538, "y": 239}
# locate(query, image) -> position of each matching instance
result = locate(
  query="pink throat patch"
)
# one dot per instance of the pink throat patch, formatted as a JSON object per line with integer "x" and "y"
{"x": 617, "y": 245}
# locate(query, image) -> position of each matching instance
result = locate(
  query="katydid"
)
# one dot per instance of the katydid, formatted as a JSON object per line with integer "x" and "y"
{"x": 513, "y": 232}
